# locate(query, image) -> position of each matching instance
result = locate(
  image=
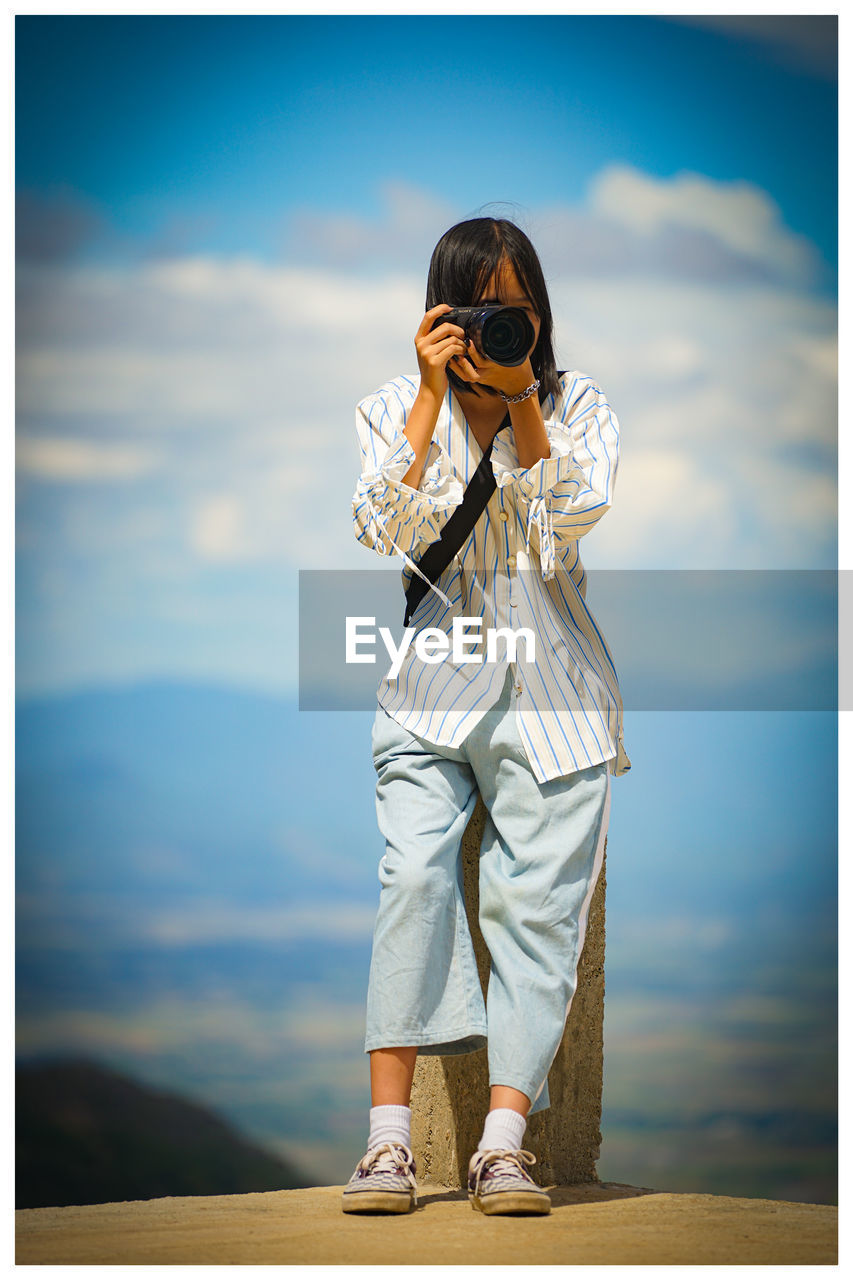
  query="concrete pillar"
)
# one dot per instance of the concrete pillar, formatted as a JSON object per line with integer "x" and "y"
{"x": 450, "y": 1095}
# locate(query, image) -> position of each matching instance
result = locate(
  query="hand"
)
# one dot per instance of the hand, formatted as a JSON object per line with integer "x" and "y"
{"x": 436, "y": 347}
{"x": 511, "y": 380}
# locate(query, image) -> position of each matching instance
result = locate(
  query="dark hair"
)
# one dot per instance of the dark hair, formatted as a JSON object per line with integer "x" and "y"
{"x": 462, "y": 263}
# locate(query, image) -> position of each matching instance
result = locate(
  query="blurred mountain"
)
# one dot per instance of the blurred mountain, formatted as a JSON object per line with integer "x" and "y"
{"x": 168, "y": 792}
{"x": 87, "y": 1135}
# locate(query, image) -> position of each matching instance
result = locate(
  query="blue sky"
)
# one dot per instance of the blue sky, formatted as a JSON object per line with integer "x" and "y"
{"x": 157, "y": 119}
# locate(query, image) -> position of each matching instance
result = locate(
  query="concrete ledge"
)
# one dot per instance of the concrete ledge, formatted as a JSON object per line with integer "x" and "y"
{"x": 591, "y": 1223}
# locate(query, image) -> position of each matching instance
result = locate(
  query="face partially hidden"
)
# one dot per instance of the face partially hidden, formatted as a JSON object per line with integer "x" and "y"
{"x": 502, "y": 288}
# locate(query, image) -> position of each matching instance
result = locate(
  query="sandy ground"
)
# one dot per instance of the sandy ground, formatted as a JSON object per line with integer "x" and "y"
{"x": 599, "y": 1223}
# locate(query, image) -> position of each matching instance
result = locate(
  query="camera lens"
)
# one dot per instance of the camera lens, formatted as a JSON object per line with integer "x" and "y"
{"x": 507, "y": 336}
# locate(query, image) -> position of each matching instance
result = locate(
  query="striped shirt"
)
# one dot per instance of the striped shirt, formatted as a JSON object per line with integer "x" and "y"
{"x": 519, "y": 568}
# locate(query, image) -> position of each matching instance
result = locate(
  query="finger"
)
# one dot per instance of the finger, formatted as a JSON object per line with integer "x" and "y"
{"x": 467, "y": 369}
{"x": 444, "y": 348}
{"x": 430, "y": 317}
{"x": 442, "y": 331}
{"x": 475, "y": 358}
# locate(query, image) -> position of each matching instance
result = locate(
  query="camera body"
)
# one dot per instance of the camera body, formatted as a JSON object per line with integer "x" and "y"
{"x": 503, "y": 335}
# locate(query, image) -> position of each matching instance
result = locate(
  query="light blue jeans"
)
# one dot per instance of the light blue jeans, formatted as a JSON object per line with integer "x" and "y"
{"x": 541, "y": 854}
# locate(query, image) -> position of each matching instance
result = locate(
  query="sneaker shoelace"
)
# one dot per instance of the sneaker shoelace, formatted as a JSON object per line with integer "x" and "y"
{"x": 389, "y": 1157}
{"x": 502, "y": 1161}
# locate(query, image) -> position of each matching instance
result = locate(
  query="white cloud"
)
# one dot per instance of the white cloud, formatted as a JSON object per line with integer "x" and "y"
{"x": 736, "y": 220}
{"x": 199, "y": 343}
{"x": 410, "y": 224}
{"x": 664, "y": 493}
{"x": 685, "y": 228}
{"x": 246, "y": 375}
{"x": 727, "y": 403}
{"x": 62, "y": 459}
{"x": 218, "y": 529}
{"x": 219, "y": 922}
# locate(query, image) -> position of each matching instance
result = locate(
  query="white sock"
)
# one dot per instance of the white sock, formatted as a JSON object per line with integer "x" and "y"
{"x": 390, "y": 1124}
{"x": 503, "y": 1128}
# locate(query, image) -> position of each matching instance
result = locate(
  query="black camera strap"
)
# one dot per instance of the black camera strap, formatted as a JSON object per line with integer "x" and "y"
{"x": 438, "y": 555}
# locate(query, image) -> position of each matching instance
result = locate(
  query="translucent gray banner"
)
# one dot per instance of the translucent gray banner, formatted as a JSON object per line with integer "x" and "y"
{"x": 692, "y": 640}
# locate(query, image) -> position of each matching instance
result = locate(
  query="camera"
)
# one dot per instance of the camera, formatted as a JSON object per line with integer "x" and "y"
{"x": 503, "y": 335}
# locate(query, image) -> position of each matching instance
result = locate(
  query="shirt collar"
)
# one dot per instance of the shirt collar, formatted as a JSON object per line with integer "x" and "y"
{"x": 455, "y": 437}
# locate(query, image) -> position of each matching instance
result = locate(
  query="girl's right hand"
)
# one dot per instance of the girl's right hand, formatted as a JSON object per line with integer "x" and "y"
{"x": 435, "y": 347}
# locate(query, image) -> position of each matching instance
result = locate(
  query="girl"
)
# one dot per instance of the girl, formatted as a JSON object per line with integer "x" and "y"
{"x": 536, "y": 731}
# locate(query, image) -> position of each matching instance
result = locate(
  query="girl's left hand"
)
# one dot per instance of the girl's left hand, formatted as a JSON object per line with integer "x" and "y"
{"x": 511, "y": 380}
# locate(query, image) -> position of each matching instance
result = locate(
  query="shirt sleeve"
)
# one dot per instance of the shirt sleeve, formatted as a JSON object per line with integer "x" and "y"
{"x": 562, "y": 497}
{"x": 391, "y": 517}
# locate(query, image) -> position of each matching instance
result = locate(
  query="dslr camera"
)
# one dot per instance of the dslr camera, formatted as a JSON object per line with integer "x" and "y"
{"x": 503, "y": 335}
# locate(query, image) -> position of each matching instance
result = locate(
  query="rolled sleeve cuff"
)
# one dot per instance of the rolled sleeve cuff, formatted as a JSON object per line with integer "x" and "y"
{"x": 397, "y": 461}
{"x": 535, "y": 484}
{"x": 431, "y": 506}
{"x": 543, "y": 475}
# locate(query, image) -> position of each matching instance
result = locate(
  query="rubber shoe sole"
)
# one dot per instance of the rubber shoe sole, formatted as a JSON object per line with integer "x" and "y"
{"x": 526, "y": 1202}
{"x": 377, "y": 1202}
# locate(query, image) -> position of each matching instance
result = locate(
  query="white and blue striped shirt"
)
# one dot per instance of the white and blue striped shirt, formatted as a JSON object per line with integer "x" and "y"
{"x": 519, "y": 568}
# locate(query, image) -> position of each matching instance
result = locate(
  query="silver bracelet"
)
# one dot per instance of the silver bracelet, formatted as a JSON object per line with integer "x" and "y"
{"x": 524, "y": 395}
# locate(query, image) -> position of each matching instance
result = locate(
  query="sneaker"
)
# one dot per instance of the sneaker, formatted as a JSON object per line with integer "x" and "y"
{"x": 499, "y": 1183}
{"x": 383, "y": 1181}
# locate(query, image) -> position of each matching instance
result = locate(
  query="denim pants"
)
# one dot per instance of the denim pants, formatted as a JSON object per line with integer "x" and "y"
{"x": 540, "y": 857}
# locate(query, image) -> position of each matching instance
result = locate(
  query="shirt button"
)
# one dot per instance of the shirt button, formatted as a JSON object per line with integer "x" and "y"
{"x": 502, "y": 515}
{"x": 518, "y": 687}
{"x": 510, "y": 562}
